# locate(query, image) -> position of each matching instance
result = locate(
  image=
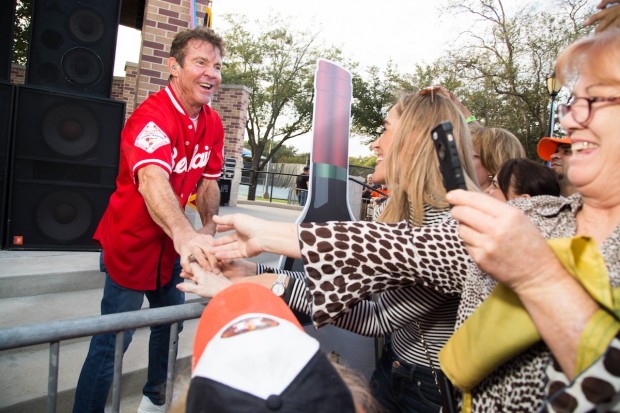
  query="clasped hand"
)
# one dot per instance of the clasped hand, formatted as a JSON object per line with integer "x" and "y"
{"x": 502, "y": 240}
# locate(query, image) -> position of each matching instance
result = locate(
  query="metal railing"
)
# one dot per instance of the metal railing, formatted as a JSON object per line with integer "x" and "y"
{"x": 273, "y": 183}
{"x": 56, "y": 331}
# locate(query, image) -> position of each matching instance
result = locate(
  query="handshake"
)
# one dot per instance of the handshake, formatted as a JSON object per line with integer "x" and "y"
{"x": 249, "y": 238}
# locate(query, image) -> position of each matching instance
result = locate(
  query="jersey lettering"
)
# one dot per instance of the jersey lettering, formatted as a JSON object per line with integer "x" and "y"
{"x": 199, "y": 160}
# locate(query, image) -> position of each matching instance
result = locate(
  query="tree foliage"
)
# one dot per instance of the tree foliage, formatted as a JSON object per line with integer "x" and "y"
{"x": 277, "y": 64}
{"x": 372, "y": 98}
{"x": 505, "y": 59}
{"x": 21, "y": 32}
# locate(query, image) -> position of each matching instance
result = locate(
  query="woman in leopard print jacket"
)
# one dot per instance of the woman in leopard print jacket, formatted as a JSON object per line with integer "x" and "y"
{"x": 489, "y": 241}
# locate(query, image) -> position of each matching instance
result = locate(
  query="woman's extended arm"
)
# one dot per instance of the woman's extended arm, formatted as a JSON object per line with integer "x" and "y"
{"x": 253, "y": 236}
{"x": 347, "y": 261}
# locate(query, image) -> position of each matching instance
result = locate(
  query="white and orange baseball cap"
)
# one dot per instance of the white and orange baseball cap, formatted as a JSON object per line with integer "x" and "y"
{"x": 547, "y": 146}
{"x": 252, "y": 355}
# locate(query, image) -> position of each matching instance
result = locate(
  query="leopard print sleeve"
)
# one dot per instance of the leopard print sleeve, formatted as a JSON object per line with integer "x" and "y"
{"x": 596, "y": 389}
{"x": 347, "y": 261}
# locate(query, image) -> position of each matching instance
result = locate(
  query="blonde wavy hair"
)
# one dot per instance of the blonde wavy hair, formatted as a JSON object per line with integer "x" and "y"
{"x": 496, "y": 146}
{"x": 411, "y": 166}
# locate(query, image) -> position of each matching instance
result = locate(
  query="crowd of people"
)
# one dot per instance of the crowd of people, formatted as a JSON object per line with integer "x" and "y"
{"x": 508, "y": 290}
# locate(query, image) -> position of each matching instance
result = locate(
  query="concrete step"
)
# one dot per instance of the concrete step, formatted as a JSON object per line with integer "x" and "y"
{"x": 28, "y": 273}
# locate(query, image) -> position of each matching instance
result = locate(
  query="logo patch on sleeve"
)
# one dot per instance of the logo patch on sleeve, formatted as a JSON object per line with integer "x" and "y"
{"x": 151, "y": 138}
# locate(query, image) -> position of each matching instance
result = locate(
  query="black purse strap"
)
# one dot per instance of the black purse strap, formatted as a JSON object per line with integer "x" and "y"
{"x": 446, "y": 391}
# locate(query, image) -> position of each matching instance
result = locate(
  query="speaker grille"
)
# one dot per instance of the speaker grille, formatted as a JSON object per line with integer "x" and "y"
{"x": 72, "y": 45}
{"x": 64, "y": 164}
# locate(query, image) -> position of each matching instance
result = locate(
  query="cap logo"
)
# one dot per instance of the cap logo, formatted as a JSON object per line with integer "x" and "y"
{"x": 248, "y": 325}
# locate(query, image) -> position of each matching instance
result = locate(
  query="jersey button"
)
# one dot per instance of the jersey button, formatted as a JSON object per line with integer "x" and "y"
{"x": 190, "y": 127}
{"x": 186, "y": 143}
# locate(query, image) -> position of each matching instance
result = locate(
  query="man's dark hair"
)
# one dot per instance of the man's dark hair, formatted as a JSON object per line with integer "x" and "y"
{"x": 179, "y": 43}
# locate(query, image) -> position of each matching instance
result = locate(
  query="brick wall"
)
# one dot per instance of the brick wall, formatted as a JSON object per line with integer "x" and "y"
{"x": 118, "y": 83}
{"x": 231, "y": 102}
{"x": 129, "y": 87}
{"x": 18, "y": 74}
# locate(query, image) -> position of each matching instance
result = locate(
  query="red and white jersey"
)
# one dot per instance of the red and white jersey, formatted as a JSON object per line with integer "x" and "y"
{"x": 137, "y": 252}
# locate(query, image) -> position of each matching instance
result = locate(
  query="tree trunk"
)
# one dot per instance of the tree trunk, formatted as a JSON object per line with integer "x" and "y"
{"x": 252, "y": 186}
{"x": 254, "y": 178}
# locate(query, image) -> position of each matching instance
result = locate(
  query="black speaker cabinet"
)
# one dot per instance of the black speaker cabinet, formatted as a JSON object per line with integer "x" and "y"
{"x": 64, "y": 164}
{"x": 7, "y": 21}
{"x": 72, "y": 45}
{"x": 6, "y": 111}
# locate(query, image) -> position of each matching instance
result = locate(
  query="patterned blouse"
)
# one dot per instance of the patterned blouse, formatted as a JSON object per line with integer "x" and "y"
{"x": 406, "y": 313}
{"x": 347, "y": 261}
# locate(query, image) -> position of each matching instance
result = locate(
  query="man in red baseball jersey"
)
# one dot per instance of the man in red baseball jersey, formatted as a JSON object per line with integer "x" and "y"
{"x": 171, "y": 147}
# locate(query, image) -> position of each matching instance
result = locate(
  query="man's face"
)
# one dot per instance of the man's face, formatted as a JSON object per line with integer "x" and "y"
{"x": 559, "y": 160}
{"x": 200, "y": 75}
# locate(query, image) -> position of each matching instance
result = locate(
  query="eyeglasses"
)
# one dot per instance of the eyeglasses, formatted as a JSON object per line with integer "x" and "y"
{"x": 581, "y": 108}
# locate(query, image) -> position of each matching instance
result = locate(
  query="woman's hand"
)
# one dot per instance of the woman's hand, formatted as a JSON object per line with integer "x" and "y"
{"x": 504, "y": 242}
{"x": 508, "y": 246}
{"x": 238, "y": 268}
{"x": 607, "y": 17}
{"x": 245, "y": 242}
{"x": 204, "y": 283}
{"x": 253, "y": 236}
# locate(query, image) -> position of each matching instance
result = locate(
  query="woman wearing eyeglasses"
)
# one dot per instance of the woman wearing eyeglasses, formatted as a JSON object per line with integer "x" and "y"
{"x": 522, "y": 177}
{"x": 564, "y": 292}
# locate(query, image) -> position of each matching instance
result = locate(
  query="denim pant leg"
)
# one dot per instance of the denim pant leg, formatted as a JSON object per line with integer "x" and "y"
{"x": 399, "y": 394}
{"x": 98, "y": 369}
{"x": 381, "y": 385}
{"x": 155, "y": 387}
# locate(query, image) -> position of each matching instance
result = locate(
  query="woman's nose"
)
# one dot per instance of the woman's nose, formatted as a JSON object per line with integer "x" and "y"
{"x": 375, "y": 144}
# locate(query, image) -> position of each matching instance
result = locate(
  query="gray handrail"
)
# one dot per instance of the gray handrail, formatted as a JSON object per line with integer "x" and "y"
{"x": 51, "y": 331}
{"x": 55, "y": 331}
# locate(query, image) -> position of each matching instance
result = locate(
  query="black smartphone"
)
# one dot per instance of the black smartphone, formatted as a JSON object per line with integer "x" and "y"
{"x": 449, "y": 161}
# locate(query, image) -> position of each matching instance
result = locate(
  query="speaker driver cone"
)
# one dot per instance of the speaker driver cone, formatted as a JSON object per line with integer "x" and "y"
{"x": 82, "y": 67}
{"x": 70, "y": 130}
{"x": 86, "y": 26}
{"x": 64, "y": 216}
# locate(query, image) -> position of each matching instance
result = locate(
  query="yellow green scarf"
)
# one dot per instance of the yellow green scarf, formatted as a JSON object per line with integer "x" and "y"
{"x": 501, "y": 328}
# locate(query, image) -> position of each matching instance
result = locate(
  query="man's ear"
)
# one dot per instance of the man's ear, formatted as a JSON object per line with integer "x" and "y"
{"x": 173, "y": 66}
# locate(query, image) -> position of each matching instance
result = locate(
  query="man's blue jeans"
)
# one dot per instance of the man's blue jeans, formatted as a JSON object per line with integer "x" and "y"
{"x": 98, "y": 370}
{"x": 303, "y": 196}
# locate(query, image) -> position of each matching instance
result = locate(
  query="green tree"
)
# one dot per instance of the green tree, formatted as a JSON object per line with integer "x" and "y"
{"x": 289, "y": 154}
{"x": 365, "y": 161}
{"x": 373, "y": 98}
{"x": 21, "y": 32}
{"x": 277, "y": 64}
{"x": 506, "y": 57}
